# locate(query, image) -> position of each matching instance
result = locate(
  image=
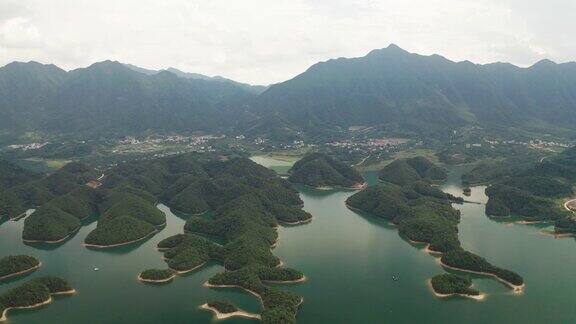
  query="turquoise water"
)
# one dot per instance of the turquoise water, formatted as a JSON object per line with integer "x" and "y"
{"x": 349, "y": 259}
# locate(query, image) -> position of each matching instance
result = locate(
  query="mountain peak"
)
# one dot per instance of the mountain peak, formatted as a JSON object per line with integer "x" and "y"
{"x": 107, "y": 63}
{"x": 544, "y": 63}
{"x": 391, "y": 49}
{"x": 395, "y": 47}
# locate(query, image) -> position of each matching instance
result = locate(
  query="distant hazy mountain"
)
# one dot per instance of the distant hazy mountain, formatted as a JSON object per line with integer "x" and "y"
{"x": 257, "y": 89}
{"x": 112, "y": 98}
{"x": 386, "y": 87}
{"x": 392, "y": 86}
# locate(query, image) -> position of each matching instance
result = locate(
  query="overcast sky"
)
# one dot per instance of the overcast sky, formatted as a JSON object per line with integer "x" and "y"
{"x": 268, "y": 41}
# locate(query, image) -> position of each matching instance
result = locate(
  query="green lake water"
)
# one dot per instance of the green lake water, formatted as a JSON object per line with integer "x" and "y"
{"x": 348, "y": 258}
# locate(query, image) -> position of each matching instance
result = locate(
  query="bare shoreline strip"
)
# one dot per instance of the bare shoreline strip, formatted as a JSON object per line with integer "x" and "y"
{"x": 304, "y": 221}
{"x": 358, "y": 186}
{"x": 46, "y": 302}
{"x": 567, "y": 204}
{"x": 427, "y": 248}
{"x": 209, "y": 285}
{"x": 52, "y": 242}
{"x": 238, "y": 313}
{"x": 479, "y": 297}
{"x": 22, "y": 272}
{"x": 516, "y": 288}
{"x": 556, "y": 235}
{"x": 189, "y": 270}
{"x": 156, "y": 281}
{"x": 286, "y": 281}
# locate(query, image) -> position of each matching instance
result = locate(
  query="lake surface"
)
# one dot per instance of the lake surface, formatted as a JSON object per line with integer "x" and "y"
{"x": 348, "y": 258}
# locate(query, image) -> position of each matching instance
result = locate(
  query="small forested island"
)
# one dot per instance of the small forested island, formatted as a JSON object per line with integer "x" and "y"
{"x": 424, "y": 214}
{"x": 406, "y": 171}
{"x": 321, "y": 171}
{"x": 156, "y": 276}
{"x": 446, "y": 285}
{"x": 534, "y": 193}
{"x": 224, "y": 310}
{"x": 34, "y": 293}
{"x": 15, "y": 265}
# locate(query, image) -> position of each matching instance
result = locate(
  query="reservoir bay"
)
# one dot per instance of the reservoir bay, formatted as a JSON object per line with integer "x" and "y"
{"x": 348, "y": 258}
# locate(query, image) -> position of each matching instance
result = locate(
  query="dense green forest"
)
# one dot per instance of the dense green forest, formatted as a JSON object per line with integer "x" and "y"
{"x": 245, "y": 199}
{"x": 320, "y": 170}
{"x": 422, "y": 212}
{"x": 448, "y": 284}
{"x": 395, "y": 88}
{"x": 407, "y": 171}
{"x": 62, "y": 195}
{"x": 533, "y": 192}
{"x": 222, "y": 306}
{"x": 13, "y": 264}
{"x": 33, "y": 292}
{"x": 11, "y": 175}
{"x": 247, "y": 202}
{"x": 156, "y": 274}
{"x": 468, "y": 261}
{"x": 110, "y": 98}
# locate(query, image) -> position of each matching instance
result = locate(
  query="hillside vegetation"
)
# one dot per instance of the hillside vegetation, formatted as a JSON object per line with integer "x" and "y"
{"x": 320, "y": 170}
{"x": 407, "y": 171}
{"x": 534, "y": 193}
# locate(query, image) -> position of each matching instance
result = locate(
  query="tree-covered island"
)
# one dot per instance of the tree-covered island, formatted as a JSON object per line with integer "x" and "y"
{"x": 156, "y": 276}
{"x": 424, "y": 214}
{"x": 322, "y": 171}
{"x": 248, "y": 202}
{"x": 32, "y": 294}
{"x": 446, "y": 285}
{"x": 15, "y": 265}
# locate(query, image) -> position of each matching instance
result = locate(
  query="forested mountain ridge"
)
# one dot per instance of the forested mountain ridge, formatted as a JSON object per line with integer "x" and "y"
{"x": 108, "y": 97}
{"x": 393, "y": 86}
{"x": 387, "y": 87}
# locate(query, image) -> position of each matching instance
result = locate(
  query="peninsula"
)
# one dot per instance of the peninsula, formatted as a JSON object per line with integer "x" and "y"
{"x": 32, "y": 294}
{"x": 224, "y": 310}
{"x": 423, "y": 213}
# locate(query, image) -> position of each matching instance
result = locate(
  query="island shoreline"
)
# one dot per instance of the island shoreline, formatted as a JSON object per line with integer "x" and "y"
{"x": 46, "y": 302}
{"x": 479, "y": 297}
{"x": 222, "y": 316}
{"x": 36, "y": 267}
{"x": 518, "y": 289}
{"x": 96, "y": 246}
{"x": 156, "y": 281}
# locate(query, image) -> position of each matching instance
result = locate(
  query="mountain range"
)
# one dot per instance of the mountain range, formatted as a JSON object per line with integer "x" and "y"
{"x": 388, "y": 86}
{"x": 109, "y": 97}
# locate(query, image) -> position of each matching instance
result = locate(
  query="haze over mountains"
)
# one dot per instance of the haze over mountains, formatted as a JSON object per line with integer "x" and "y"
{"x": 386, "y": 87}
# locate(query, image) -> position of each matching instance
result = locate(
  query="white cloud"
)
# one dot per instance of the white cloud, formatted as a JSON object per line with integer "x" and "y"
{"x": 19, "y": 33}
{"x": 265, "y": 41}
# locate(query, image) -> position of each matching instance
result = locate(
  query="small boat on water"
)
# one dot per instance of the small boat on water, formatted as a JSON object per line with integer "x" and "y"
{"x": 395, "y": 277}
{"x": 96, "y": 269}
